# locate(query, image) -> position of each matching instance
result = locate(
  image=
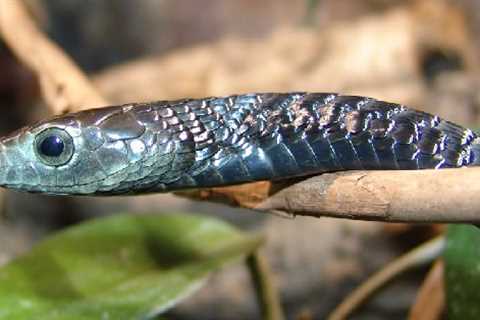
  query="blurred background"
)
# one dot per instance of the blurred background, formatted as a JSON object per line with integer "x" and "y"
{"x": 420, "y": 53}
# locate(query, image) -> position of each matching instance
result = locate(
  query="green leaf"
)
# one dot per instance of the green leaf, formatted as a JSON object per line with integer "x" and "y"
{"x": 462, "y": 258}
{"x": 120, "y": 267}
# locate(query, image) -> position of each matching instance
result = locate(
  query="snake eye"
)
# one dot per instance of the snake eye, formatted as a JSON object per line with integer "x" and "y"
{"x": 54, "y": 146}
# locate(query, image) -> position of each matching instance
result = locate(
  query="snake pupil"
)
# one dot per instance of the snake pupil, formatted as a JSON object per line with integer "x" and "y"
{"x": 52, "y": 146}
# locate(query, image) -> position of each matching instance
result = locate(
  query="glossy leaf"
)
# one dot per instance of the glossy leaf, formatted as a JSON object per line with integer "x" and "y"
{"x": 120, "y": 267}
{"x": 462, "y": 258}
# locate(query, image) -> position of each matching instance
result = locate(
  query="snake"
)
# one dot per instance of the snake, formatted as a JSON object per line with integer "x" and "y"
{"x": 164, "y": 146}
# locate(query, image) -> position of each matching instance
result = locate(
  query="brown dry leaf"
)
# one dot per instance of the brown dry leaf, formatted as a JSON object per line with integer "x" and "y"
{"x": 248, "y": 195}
{"x": 430, "y": 301}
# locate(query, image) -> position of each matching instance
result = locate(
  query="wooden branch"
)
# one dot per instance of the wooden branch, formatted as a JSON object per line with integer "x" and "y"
{"x": 450, "y": 195}
{"x": 423, "y": 196}
{"x": 64, "y": 86}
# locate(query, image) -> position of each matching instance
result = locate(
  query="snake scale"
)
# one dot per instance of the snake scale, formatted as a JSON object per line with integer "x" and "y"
{"x": 193, "y": 143}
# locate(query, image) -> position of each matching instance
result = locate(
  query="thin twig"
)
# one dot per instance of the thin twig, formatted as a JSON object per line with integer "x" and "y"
{"x": 391, "y": 196}
{"x": 64, "y": 86}
{"x": 421, "y": 255}
{"x": 267, "y": 294}
{"x": 420, "y": 196}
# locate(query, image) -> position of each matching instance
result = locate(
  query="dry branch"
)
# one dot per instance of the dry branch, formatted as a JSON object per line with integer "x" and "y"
{"x": 423, "y": 196}
{"x": 64, "y": 86}
{"x": 449, "y": 195}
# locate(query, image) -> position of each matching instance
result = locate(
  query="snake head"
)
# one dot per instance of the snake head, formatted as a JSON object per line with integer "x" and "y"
{"x": 102, "y": 151}
{"x": 35, "y": 158}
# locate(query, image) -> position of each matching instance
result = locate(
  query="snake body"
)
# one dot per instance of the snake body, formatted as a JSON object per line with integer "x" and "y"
{"x": 170, "y": 145}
